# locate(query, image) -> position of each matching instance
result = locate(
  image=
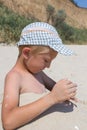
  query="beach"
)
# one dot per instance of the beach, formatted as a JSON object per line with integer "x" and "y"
{"x": 73, "y": 68}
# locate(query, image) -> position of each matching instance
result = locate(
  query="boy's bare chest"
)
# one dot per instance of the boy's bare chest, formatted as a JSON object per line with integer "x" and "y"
{"x": 32, "y": 84}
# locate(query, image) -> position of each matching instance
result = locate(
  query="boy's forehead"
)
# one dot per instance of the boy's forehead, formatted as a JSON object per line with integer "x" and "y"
{"x": 50, "y": 55}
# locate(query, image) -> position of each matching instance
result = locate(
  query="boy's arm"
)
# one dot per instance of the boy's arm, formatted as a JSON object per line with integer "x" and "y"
{"x": 14, "y": 116}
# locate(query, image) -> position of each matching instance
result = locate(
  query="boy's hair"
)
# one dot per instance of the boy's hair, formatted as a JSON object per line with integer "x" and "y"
{"x": 35, "y": 49}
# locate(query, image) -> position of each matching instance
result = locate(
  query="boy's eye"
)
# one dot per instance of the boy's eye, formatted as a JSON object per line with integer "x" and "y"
{"x": 46, "y": 60}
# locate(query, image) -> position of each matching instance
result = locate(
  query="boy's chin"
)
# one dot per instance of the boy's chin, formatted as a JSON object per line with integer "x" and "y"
{"x": 34, "y": 72}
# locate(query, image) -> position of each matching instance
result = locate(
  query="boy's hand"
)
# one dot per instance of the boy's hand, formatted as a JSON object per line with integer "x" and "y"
{"x": 63, "y": 90}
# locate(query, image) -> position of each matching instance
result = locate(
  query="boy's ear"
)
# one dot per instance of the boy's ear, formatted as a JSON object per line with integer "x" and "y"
{"x": 25, "y": 52}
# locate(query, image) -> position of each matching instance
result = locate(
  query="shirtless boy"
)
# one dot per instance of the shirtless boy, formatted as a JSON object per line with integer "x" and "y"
{"x": 38, "y": 46}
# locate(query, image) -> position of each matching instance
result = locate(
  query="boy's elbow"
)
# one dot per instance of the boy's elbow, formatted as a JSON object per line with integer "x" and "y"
{"x": 7, "y": 125}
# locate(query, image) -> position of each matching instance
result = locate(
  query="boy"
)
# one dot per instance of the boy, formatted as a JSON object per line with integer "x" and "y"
{"x": 38, "y": 46}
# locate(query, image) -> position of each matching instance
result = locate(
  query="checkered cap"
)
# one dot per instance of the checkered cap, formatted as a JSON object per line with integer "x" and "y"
{"x": 40, "y": 33}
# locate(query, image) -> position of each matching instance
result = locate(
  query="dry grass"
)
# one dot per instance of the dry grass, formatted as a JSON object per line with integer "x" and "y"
{"x": 37, "y": 8}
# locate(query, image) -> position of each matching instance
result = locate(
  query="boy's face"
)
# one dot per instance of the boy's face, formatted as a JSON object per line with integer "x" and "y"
{"x": 38, "y": 62}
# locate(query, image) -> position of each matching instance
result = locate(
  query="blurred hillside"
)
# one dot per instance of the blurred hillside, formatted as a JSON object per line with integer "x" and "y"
{"x": 37, "y": 8}
{"x": 69, "y": 20}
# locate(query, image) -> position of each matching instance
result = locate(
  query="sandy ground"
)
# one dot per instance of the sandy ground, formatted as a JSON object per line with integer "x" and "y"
{"x": 71, "y": 67}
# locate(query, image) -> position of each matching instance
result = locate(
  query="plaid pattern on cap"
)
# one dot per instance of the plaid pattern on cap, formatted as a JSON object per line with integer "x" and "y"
{"x": 40, "y": 33}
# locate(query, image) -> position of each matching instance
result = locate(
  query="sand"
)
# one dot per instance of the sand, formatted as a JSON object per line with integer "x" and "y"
{"x": 62, "y": 116}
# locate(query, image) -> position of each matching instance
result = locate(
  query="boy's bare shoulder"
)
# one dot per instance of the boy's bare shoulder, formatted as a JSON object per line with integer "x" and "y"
{"x": 13, "y": 77}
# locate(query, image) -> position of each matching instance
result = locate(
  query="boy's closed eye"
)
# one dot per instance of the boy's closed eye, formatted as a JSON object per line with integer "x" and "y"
{"x": 46, "y": 61}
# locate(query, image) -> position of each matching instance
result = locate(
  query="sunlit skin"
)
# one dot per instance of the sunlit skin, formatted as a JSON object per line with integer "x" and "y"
{"x": 37, "y": 63}
{"x": 27, "y": 76}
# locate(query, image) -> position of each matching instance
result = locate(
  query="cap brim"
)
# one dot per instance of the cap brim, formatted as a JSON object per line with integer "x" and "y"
{"x": 63, "y": 49}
